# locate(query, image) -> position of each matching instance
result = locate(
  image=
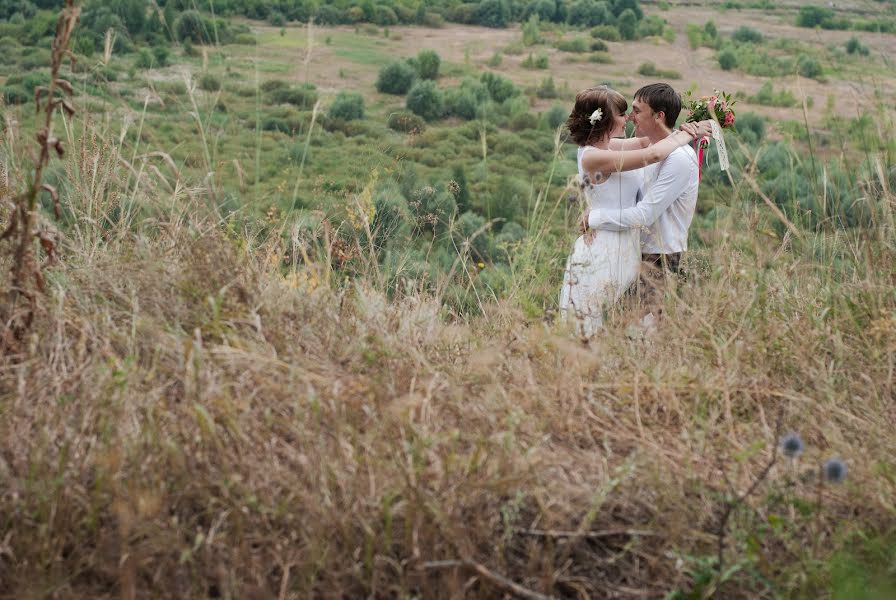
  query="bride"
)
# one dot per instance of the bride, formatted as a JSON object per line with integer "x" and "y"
{"x": 603, "y": 263}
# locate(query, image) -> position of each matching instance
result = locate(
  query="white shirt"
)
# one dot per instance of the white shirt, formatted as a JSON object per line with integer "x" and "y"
{"x": 666, "y": 212}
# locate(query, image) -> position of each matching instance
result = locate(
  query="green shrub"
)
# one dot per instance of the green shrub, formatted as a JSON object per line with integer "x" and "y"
{"x": 768, "y": 97}
{"x": 598, "y": 46}
{"x": 814, "y": 16}
{"x": 495, "y": 60}
{"x": 14, "y": 94}
{"x": 428, "y": 63}
{"x": 392, "y": 219}
{"x": 209, "y": 82}
{"x": 650, "y": 26}
{"x": 161, "y": 54}
{"x": 396, "y": 78}
{"x": 588, "y": 13}
{"x": 627, "y": 23}
{"x": 545, "y": 10}
{"x": 470, "y": 228}
{"x": 854, "y": 46}
{"x": 192, "y": 26}
{"x": 463, "y": 103}
{"x": 433, "y": 208}
{"x": 809, "y": 67}
{"x": 493, "y": 13}
{"x": 426, "y": 100}
{"x": 406, "y": 122}
{"x": 555, "y": 116}
{"x": 606, "y": 32}
{"x": 535, "y": 62}
{"x": 273, "y": 84}
{"x": 601, "y": 58}
{"x": 710, "y": 31}
{"x": 577, "y": 45}
{"x": 747, "y": 35}
{"x": 695, "y": 36}
{"x": 144, "y": 59}
{"x": 347, "y": 106}
{"x": 727, "y": 59}
{"x": 499, "y": 88}
{"x": 303, "y": 96}
{"x": 751, "y": 127}
{"x": 531, "y": 31}
{"x": 384, "y": 16}
{"x": 649, "y": 69}
{"x": 546, "y": 89}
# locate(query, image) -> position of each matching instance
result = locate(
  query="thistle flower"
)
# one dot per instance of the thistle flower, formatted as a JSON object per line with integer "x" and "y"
{"x": 792, "y": 445}
{"x": 834, "y": 470}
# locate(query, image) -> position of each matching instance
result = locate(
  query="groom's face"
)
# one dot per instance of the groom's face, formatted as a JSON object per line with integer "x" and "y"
{"x": 645, "y": 119}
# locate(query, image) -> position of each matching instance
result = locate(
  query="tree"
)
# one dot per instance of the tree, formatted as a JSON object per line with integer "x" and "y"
{"x": 493, "y": 13}
{"x": 426, "y": 100}
{"x": 428, "y": 63}
{"x": 727, "y": 59}
{"x": 628, "y": 24}
{"x": 347, "y": 106}
{"x": 396, "y": 78}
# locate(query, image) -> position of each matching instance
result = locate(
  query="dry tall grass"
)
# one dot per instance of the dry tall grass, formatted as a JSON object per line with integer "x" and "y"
{"x": 187, "y": 421}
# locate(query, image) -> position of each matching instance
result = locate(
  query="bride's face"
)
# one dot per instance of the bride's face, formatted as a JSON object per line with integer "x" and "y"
{"x": 618, "y": 129}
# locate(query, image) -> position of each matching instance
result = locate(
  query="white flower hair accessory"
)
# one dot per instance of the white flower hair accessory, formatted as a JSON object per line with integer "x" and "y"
{"x": 596, "y": 116}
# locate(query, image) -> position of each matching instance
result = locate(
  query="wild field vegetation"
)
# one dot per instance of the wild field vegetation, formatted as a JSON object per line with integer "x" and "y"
{"x": 296, "y": 331}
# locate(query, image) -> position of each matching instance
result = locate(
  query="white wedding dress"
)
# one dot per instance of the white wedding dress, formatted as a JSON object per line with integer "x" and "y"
{"x": 597, "y": 275}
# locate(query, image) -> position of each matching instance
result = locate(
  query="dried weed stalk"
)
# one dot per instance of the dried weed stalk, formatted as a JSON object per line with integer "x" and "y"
{"x": 27, "y": 275}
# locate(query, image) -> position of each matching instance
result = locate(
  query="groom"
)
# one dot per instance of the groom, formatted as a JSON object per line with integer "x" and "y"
{"x": 670, "y": 195}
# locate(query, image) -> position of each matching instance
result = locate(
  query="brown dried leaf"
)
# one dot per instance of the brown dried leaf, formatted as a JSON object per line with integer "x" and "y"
{"x": 68, "y": 108}
{"x": 66, "y": 86}
{"x": 57, "y": 210}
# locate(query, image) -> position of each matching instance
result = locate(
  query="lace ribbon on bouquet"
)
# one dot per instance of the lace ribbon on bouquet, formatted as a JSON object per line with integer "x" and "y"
{"x": 720, "y": 148}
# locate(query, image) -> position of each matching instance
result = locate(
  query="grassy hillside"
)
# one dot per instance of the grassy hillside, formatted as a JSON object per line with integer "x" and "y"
{"x": 287, "y": 350}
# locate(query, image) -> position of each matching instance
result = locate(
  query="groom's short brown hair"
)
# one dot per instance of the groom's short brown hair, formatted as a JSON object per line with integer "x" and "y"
{"x": 661, "y": 97}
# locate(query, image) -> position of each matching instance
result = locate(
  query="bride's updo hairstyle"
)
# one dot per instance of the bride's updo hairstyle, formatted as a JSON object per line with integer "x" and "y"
{"x": 609, "y": 101}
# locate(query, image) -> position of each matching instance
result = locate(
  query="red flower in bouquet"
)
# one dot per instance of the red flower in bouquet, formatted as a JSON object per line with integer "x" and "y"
{"x": 717, "y": 107}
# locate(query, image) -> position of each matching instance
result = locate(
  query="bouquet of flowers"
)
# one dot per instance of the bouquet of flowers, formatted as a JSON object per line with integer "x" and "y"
{"x": 717, "y": 107}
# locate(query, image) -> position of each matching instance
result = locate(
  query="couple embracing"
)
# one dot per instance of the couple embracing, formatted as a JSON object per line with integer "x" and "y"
{"x": 642, "y": 194}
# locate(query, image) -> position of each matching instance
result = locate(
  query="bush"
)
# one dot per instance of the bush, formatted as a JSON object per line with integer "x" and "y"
{"x": 545, "y": 10}
{"x": 396, "y": 78}
{"x": 493, "y": 13}
{"x": 428, "y": 63}
{"x": 814, "y": 16}
{"x": 747, "y": 35}
{"x": 578, "y": 45}
{"x": 499, "y": 88}
{"x": 599, "y": 46}
{"x": 588, "y": 13}
{"x": 210, "y": 83}
{"x": 191, "y": 25}
{"x": 727, "y": 59}
{"x": 650, "y": 26}
{"x": 303, "y": 96}
{"x": 809, "y": 67}
{"x": 854, "y": 46}
{"x": 555, "y": 116}
{"x": 546, "y": 89}
{"x": 462, "y": 103}
{"x": 628, "y": 24}
{"x": 649, "y": 69}
{"x": 347, "y": 106}
{"x": 470, "y": 229}
{"x": 426, "y": 100}
{"x": 751, "y": 127}
{"x": 144, "y": 59}
{"x": 535, "y": 62}
{"x": 161, "y": 54}
{"x": 406, "y": 122}
{"x": 606, "y": 32}
{"x": 768, "y": 97}
{"x": 531, "y": 31}
{"x": 14, "y": 94}
{"x": 384, "y": 16}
